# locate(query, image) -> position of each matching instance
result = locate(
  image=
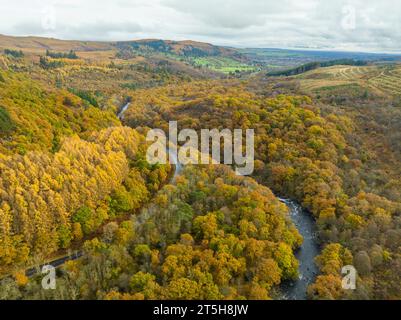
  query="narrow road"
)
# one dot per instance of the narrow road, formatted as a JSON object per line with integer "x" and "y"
{"x": 55, "y": 263}
{"x": 291, "y": 290}
{"x": 78, "y": 254}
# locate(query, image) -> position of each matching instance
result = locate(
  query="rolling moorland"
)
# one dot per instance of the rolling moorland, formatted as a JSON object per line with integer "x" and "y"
{"x": 73, "y": 175}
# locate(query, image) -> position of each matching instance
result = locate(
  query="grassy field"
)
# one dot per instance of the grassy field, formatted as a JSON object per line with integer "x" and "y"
{"x": 388, "y": 80}
{"x": 223, "y": 64}
{"x": 381, "y": 79}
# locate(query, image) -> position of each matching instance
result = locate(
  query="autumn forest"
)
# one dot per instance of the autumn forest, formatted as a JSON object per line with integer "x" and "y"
{"x": 76, "y": 187}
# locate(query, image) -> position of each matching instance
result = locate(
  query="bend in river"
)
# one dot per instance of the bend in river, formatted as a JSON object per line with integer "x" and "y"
{"x": 304, "y": 222}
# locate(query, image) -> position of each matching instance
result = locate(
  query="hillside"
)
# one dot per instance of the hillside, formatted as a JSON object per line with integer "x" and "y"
{"x": 182, "y": 48}
{"x": 75, "y": 176}
{"x": 190, "y": 48}
{"x": 185, "y": 53}
{"x": 341, "y": 161}
{"x": 382, "y": 79}
{"x": 282, "y": 59}
{"x": 188, "y": 54}
{"x": 38, "y": 44}
{"x": 36, "y": 118}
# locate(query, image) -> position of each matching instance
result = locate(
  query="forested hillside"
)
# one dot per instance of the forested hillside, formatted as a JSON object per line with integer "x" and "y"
{"x": 66, "y": 167}
{"x": 308, "y": 154}
{"x": 73, "y": 176}
{"x": 213, "y": 235}
{"x": 35, "y": 118}
{"x": 50, "y": 200}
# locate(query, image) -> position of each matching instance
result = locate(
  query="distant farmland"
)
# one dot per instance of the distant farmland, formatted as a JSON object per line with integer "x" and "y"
{"x": 382, "y": 79}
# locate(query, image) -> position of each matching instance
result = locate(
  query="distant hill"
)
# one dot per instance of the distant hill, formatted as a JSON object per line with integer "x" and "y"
{"x": 315, "y": 65}
{"x": 196, "y": 55}
{"x": 39, "y": 43}
{"x": 285, "y": 59}
{"x": 182, "y": 48}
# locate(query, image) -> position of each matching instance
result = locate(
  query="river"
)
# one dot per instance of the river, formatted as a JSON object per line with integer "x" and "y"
{"x": 178, "y": 166}
{"x": 120, "y": 115}
{"x": 290, "y": 290}
{"x": 306, "y": 225}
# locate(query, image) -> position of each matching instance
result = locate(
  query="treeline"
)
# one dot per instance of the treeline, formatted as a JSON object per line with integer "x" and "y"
{"x": 14, "y": 53}
{"x": 47, "y": 64}
{"x": 62, "y": 55}
{"x": 315, "y": 65}
{"x": 6, "y": 124}
{"x": 52, "y": 59}
{"x": 86, "y": 96}
{"x": 126, "y": 53}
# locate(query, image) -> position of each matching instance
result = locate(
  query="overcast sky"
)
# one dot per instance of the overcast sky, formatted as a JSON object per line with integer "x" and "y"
{"x": 365, "y": 25}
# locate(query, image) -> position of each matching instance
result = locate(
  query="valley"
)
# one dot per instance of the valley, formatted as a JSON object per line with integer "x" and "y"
{"x": 73, "y": 120}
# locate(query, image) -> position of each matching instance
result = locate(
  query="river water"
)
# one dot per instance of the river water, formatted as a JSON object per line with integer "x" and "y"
{"x": 120, "y": 115}
{"x": 306, "y": 225}
{"x": 290, "y": 290}
{"x": 174, "y": 160}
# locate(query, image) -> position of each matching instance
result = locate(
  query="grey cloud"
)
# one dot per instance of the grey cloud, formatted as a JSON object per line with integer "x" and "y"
{"x": 234, "y": 14}
{"x": 252, "y": 23}
{"x": 29, "y": 28}
{"x": 99, "y": 30}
